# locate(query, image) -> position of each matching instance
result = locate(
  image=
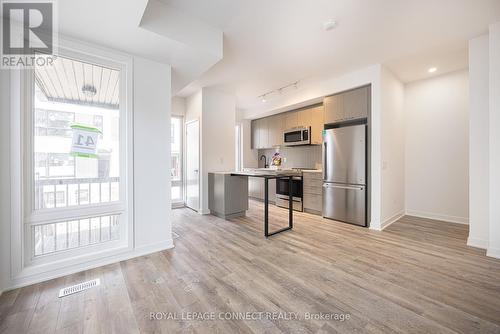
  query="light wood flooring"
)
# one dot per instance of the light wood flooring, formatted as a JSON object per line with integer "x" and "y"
{"x": 417, "y": 276}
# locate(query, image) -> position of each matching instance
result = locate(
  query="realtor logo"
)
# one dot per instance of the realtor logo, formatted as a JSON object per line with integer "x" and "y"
{"x": 28, "y": 33}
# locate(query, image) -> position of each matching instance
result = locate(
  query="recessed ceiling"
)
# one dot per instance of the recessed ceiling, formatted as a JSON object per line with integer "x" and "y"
{"x": 268, "y": 44}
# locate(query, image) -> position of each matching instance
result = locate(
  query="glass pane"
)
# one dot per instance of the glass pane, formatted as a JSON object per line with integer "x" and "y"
{"x": 105, "y": 228}
{"x": 62, "y": 236}
{"x": 54, "y": 237}
{"x": 76, "y": 134}
{"x": 73, "y": 228}
{"x": 176, "y": 192}
{"x": 176, "y": 158}
{"x": 37, "y": 240}
{"x": 95, "y": 230}
{"x": 48, "y": 238}
{"x": 95, "y": 192}
{"x": 105, "y": 192}
{"x": 84, "y": 232}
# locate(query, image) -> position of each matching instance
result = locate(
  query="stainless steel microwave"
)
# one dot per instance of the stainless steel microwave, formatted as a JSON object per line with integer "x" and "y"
{"x": 297, "y": 136}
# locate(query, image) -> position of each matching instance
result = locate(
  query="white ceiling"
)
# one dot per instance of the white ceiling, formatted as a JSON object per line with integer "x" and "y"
{"x": 268, "y": 44}
{"x": 146, "y": 28}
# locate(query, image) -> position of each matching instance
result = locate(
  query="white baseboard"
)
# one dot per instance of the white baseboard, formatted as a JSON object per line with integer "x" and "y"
{"x": 392, "y": 219}
{"x": 477, "y": 242}
{"x": 22, "y": 281}
{"x": 437, "y": 216}
{"x": 493, "y": 252}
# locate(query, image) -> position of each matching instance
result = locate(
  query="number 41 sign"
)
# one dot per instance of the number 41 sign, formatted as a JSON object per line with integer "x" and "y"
{"x": 84, "y": 142}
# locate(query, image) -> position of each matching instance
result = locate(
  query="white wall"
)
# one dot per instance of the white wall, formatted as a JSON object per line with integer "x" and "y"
{"x": 193, "y": 105}
{"x": 494, "y": 136}
{"x": 478, "y": 142}
{"x": 152, "y": 205}
{"x": 216, "y": 112}
{"x": 178, "y": 106}
{"x": 250, "y": 159}
{"x": 392, "y": 148}
{"x": 437, "y": 154}
{"x": 218, "y": 141}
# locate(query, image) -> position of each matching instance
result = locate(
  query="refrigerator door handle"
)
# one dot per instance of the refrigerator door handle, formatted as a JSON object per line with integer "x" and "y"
{"x": 326, "y": 185}
{"x": 324, "y": 161}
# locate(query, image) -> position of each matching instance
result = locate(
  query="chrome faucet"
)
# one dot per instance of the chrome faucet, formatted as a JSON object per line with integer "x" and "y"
{"x": 265, "y": 160}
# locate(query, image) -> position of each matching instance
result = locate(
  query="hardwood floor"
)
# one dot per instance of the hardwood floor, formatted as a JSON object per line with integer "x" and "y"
{"x": 417, "y": 276}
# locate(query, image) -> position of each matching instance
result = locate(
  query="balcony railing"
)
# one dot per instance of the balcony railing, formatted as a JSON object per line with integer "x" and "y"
{"x": 55, "y": 237}
{"x": 56, "y": 193}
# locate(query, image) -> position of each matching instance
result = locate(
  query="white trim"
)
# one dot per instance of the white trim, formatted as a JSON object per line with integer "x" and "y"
{"x": 178, "y": 205}
{"x": 392, "y": 220}
{"x": 437, "y": 216}
{"x": 493, "y": 252}
{"x": 22, "y": 281}
{"x": 477, "y": 242}
{"x": 16, "y": 184}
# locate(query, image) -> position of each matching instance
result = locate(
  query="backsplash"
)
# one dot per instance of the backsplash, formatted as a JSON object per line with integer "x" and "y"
{"x": 298, "y": 157}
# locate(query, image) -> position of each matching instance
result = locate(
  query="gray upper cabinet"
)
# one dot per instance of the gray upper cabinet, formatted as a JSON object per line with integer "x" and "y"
{"x": 276, "y": 125}
{"x": 291, "y": 119}
{"x": 267, "y": 132}
{"x": 347, "y": 106}
{"x": 313, "y": 117}
{"x": 255, "y": 134}
{"x": 334, "y": 108}
{"x": 263, "y": 133}
{"x": 260, "y": 133}
{"x": 356, "y": 103}
{"x": 317, "y": 125}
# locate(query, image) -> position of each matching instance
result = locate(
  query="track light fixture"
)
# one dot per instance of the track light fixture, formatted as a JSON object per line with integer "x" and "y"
{"x": 279, "y": 91}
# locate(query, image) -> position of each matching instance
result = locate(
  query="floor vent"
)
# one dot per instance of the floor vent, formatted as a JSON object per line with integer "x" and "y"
{"x": 79, "y": 287}
{"x": 175, "y": 235}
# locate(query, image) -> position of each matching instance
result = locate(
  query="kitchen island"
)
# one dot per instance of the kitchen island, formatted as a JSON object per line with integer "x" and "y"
{"x": 268, "y": 174}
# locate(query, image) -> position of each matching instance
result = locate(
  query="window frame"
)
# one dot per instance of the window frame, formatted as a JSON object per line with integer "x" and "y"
{"x": 27, "y": 216}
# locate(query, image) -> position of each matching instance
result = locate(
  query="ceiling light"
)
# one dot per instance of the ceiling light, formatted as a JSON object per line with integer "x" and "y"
{"x": 329, "y": 25}
{"x": 432, "y": 70}
{"x": 89, "y": 90}
{"x": 278, "y": 91}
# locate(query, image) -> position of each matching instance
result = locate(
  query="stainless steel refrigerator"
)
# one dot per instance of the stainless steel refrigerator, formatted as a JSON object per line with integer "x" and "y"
{"x": 344, "y": 174}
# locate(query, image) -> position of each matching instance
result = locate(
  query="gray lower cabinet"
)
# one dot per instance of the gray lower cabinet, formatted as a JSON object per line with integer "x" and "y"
{"x": 312, "y": 192}
{"x": 227, "y": 195}
{"x": 256, "y": 189}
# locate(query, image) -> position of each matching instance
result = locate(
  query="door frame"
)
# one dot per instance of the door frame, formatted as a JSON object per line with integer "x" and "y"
{"x": 196, "y": 120}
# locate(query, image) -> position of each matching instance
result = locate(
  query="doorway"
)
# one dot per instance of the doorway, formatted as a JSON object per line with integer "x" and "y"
{"x": 193, "y": 165}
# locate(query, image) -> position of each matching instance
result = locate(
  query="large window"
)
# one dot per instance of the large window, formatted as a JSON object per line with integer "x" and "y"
{"x": 75, "y": 193}
{"x": 176, "y": 172}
